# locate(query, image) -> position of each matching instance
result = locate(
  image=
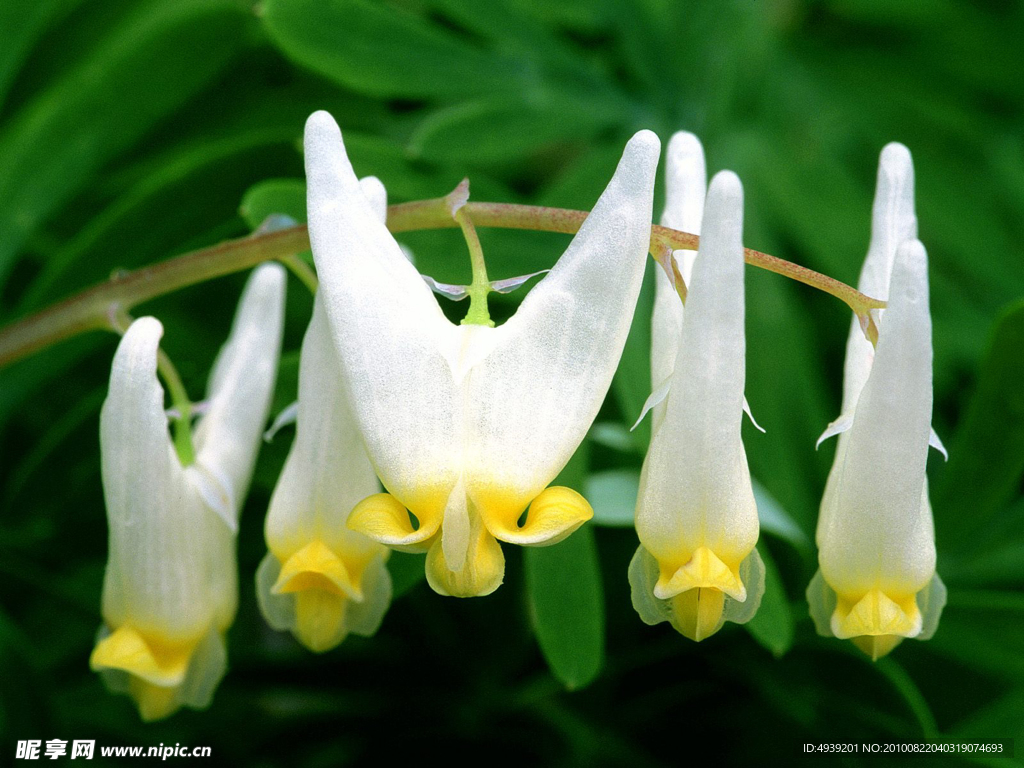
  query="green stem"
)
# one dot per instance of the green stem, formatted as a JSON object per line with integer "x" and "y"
{"x": 180, "y": 400}
{"x": 303, "y": 271}
{"x": 481, "y": 286}
{"x": 92, "y": 308}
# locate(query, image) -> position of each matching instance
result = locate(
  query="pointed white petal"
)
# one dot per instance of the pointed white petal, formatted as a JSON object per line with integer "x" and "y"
{"x": 892, "y": 223}
{"x": 158, "y": 564}
{"x": 286, "y": 417}
{"x": 936, "y": 442}
{"x": 227, "y": 437}
{"x": 750, "y": 415}
{"x": 327, "y": 471}
{"x": 376, "y": 196}
{"x": 685, "y": 188}
{"x": 656, "y": 398}
{"x": 879, "y": 533}
{"x": 387, "y": 328}
{"x": 695, "y": 488}
{"x": 837, "y": 427}
{"x": 532, "y": 399}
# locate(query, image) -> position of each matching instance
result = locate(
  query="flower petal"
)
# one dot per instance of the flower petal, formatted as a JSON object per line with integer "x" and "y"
{"x": 552, "y": 516}
{"x": 879, "y": 533}
{"x": 159, "y": 564}
{"x": 533, "y": 397}
{"x": 388, "y": 330}
{"x": 695, "y": 489}
{"x": 327, "y": 471}
{"x": 228, "y": 436}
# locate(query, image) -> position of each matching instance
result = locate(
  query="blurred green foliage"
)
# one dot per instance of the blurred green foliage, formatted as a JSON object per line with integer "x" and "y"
{"x": 131, "y": 131}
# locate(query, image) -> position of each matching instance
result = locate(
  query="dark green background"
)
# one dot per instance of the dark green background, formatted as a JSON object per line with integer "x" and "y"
{"x": 132, "y": 131}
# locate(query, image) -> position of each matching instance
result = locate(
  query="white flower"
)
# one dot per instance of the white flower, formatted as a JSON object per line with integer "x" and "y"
{"x": 321, "y": 580}
{"x": 876, "y": 539}
{"x": 170, "y": 590}
{"x": 696, "y": 517}
{"x": 466, "y": 425}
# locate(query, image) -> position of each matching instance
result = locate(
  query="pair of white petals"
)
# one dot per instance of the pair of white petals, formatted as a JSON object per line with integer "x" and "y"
{"x": 170, "y": 588}
{"x": 696, "y": 517}
{"x": 876, "y": 539}
{"x": 466, "y": 425}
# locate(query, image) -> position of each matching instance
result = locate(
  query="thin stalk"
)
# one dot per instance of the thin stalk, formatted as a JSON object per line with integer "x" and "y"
{"x": 182, "y": 404}
{"x": 481, "y": 286}
{"x": 92, "y": 308}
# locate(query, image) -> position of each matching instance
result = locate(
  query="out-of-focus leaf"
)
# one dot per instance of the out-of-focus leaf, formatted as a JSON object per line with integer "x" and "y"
{"x": 383, "y": 51}
{"x": 274, "y": 196}
{"x": 503, "y": 129}
{"x": 986, "y": 457}
{"x": 983, "y": 629}
{"x": 135, "y": 78}
{"x": 612, "y": 494}
{"x": 22, "y": 24}
{"x": 566, "y": 599}
{"x": 776, "y": 521}
{"x": 772, "y": 625}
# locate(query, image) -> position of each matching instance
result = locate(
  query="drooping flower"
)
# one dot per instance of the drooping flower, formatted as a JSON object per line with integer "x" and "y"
{"x": 877, "y": 582}
{"x": 321, "y": 580}
{"x": 170, "y": 590}
{"x": 466, "y": 425}
{"x": 696, "y": 517}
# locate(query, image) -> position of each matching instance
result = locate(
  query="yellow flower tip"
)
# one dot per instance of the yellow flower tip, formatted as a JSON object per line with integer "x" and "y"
{"x": 874, "y": 614}
{"x": 704, "y": 570}
{"x": 320, "y": 619}
{"x": 877, "y": 646}
{"x": 163, "y": 663}
{"x": 316, "y": 567}
{"x": 481, "y": 573}
{"x": 698, "y": 612}
{"x": 384, "y": 518}
{"x": 552, "y": 516}
{"x": 155, "y": 702}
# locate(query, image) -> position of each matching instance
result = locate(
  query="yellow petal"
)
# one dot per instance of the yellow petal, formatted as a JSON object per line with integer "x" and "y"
{"x": 155, "y": 702}
{"x": 480, "y": 574}
{"x": 554, "y": 514}
{"x": 320, "y": 619}
{"x": 876, "y": 613}
{"x": 315, "y": 567}
{"x": 697, "y": 613}
{"x": 704, "y": 569}
{"x": 877, "y": 646}
{"x": 384, "y": 518}
{"x": 154, "y": 660}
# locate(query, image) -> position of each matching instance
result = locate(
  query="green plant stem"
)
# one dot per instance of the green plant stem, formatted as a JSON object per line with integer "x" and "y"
{"x": 481, "y": 286}
{"x": 95, "y": 307}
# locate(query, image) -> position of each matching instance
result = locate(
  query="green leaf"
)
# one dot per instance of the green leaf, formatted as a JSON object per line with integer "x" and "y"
{"x": 566, "y": 598}
{"x": 383, "y": 51}
{"x": 983, "y": 629}
{"x": 274, "y": 196}
{"x": 612, "y": 494}
{"x": 772, "y": 625}
{"x": 776, "y": 521}
{"x": 22, "y": 24}
{"x": 986, "y": 457}
{"x": 54, "y": 146}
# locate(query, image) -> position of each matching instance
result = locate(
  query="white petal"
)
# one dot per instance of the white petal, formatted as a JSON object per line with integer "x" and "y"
{"x": 228, "y": 436}
{"x": 656, "y": 398}
{"x": 376, "y": 195}
{"x": 892, "y": 223}
{"x": 158, "y": 564}
{"x": 837, "y": 427}
{"x": 386, "y": 326}
{"x": 285, "y": 418}
{"x": 327, "y": 471}
{"x": 685, "y": 188}
{"x": 532, "y": 399}
{"x": 936, "y": 442}
{"x": 695, "y": 488}
{"x": 879, "y": 533}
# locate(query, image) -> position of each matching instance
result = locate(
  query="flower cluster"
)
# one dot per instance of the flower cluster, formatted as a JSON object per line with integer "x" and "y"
{"x": 420, "y": 435}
